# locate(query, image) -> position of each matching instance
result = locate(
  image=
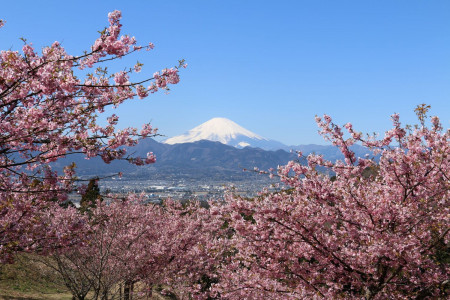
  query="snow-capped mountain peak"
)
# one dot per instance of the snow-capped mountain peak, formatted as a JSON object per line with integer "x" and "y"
{"x": 217, "y": 129}
{"x": 225, "y": 131}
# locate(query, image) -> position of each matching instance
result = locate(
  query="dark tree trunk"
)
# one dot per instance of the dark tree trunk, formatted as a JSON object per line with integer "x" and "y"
{"x": 128, "y": 290}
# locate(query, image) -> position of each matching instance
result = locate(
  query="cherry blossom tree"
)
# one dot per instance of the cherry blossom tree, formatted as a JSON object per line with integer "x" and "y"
{"x": 374, "y": 230}
{"x": 126, "y": 241}
{"x": 47, "y": 111}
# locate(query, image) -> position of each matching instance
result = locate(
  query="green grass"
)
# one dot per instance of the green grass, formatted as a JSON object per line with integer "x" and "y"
{"x": 27, "y": 279}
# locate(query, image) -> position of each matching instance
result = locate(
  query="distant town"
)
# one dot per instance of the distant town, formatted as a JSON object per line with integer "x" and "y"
{"x": 204, "y": 190}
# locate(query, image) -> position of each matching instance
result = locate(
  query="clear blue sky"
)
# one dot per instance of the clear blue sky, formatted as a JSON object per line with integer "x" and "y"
{"x": 270, "y": 66}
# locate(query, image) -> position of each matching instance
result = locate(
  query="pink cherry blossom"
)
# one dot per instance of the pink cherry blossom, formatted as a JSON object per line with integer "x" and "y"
{"x": 48, "y": 113}
{"x": 373, "y": 230}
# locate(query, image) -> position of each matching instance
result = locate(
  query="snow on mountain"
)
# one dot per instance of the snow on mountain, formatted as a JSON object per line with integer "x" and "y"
{"x": 217, "y": 129}
{"x": 227, "y": 132}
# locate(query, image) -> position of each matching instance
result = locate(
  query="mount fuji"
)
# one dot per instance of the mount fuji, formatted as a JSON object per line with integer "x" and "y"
{"x": 218, "y": 149}
{"x": 226, "y": 132}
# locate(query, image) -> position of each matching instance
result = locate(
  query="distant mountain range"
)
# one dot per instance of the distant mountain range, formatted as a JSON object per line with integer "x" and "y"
{"x": 201, "y": 159}
{"x": 218, "y": 149}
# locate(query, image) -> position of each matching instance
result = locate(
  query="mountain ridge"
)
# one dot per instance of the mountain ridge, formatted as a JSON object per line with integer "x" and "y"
{"x": 198, "y": 160}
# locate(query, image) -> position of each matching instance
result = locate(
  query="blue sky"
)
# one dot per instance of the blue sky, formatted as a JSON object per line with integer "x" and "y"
{"x": 270, "y": 66}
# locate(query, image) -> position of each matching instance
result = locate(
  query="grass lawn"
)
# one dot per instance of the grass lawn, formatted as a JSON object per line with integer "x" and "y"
{"x": 24, "y": 280}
